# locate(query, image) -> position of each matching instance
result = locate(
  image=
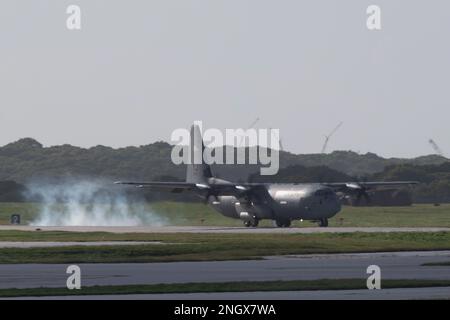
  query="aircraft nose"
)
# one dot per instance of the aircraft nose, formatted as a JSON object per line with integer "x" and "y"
{"x": 328, "y": 198}
{"x": 337, "y": 204}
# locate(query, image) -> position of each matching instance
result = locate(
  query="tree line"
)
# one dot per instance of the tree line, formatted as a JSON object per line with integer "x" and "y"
{"x": 27, "y": 160}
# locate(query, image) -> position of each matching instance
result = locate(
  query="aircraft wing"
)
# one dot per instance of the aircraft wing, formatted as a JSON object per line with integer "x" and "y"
{"x": 177, "y": 187}
{"x": 342, "y": 186}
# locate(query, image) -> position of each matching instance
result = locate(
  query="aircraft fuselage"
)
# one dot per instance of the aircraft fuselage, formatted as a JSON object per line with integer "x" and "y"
{"x": 282, "y": 203}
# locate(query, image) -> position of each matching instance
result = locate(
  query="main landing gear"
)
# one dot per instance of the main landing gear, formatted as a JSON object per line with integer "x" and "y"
{"x": 323, "y": 222}
{"x": 251, "y": 223}
{"x": 283, "y": 223}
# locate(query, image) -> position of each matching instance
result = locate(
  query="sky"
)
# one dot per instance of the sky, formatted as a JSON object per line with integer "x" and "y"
{"x": 137, "y": 70}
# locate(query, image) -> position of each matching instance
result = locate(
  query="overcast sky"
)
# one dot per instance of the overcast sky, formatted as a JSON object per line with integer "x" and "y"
{"x": 137, "y": 70}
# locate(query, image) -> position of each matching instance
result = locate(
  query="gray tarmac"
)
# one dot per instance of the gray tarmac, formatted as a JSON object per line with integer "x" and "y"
{"x": 394, "y": 265}
{"x": 205, "y": 229}
{"x": 383, "y": 294}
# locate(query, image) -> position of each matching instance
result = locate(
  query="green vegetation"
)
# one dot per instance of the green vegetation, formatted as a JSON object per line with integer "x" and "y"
{"x": 27, "y": 211}
{"x": 188, "y": 214}
{"x": 196, "y": 214}
{"x": 435, "y": 180}
{"x": 250, "y": 286}
{"x": 437, "y": 264}
{"x": 414, "y": 216}
{"x": 27, "y": 159}
{"x": 207, "y": 247}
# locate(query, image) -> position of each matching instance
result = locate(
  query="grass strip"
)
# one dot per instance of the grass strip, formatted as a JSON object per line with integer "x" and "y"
{"x": 251, "y": 286}
{"x": 217, "y": 247}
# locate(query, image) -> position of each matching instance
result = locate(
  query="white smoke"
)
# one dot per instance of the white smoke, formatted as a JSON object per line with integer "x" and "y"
{"x": 88, "y": 203}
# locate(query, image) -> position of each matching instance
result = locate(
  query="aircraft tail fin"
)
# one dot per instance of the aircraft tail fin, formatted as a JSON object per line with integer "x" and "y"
{"x": 197, "y": 171}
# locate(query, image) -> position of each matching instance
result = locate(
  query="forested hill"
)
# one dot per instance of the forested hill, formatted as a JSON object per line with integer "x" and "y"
{"x": 27, "y": 159}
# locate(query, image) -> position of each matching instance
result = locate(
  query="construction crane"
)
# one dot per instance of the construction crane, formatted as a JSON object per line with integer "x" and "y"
{"x": 249, "y": 127}
{"x": 280, "y": 142}
{"x": 281, "y": 145}
{"x": 435, "y": 147}
{"x": 253, "y": 123}
{"x": 327, "y": 138}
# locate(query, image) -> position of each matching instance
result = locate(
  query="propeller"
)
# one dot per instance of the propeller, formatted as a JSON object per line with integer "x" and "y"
{"x": 210, "y": 195}
{"x": 359, "y": 191}
{"x": 362, "y": 193}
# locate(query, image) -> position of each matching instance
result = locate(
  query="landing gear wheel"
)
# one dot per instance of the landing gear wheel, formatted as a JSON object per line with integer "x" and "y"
{"x": 251, "y": 223}
{"x": 255, "y": 223}
{"x": 323, "y": 222}
{"x": 283, "y": 223}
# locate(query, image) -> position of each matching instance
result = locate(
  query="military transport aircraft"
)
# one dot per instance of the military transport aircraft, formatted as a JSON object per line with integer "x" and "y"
{"x": 252, "y": 202}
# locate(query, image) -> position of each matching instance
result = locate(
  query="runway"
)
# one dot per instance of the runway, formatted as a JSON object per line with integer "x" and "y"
{"x": 383, "y": 294}
{"x": 396, "y": 265}
{"x": 205, "y": 229}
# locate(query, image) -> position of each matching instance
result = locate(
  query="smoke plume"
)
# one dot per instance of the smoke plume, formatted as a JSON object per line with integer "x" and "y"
{"x": 89, "y": 203}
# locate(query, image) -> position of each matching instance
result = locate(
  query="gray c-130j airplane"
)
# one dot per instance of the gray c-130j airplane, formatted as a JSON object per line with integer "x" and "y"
{"x": 252, "y": 202}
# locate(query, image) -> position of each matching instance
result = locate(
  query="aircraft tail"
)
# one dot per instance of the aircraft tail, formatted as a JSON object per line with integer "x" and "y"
{"x": 197, "y": 171}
